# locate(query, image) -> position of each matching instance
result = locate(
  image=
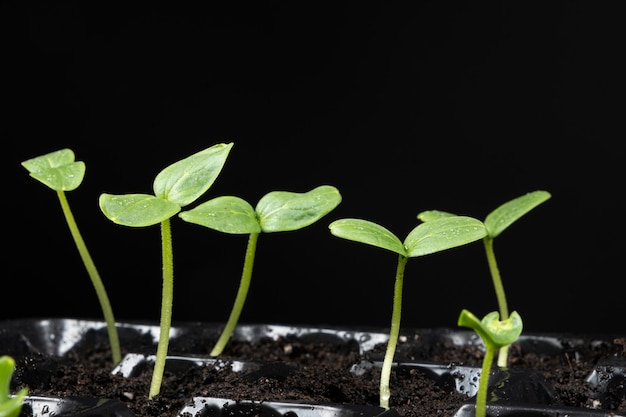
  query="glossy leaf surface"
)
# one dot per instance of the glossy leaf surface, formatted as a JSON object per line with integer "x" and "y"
{"x": 443, "y": 233}
{"x": 226, "y": 214}
{"x": 280, "y": 211}
{"x": 430, "y": 215}
{"x": 184, "y": 181}
{"x": 10, "y": 406}
{"x": 58, "y": 170}
{"x": 370, "y": 233}
{"x": 506, "y": 214}
{"x": 494, "y": 332}
{"x": 136, "y": 210}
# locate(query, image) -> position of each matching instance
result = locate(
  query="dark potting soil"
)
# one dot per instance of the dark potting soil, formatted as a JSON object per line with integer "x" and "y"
{"x": 311, "y": 371}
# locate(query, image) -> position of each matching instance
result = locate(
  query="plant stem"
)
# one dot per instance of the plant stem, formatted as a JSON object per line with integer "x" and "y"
{"x": 500, "y": 295}
{"x": 242, "y": 292}
{"x": 166, "y": 308}
{"x": 394, "y": 332}
{"x": 481, "y": 395}
{"x": 95, "y": 278}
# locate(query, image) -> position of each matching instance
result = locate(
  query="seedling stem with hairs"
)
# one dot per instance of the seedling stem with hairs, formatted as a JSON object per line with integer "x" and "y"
{"x": 176, "y": 186}
{"x": 429, "y": 237}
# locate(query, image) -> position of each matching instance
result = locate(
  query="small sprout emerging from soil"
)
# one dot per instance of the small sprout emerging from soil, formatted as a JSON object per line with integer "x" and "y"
{"x": 10, "y": 405}
{"x": 59, "y": 171}
{"x": 495, "y": 334}
{"x": 176, "y": 186}
{"x": 429, "y": 237}
{"x": 277, "y": 211}
{"x": 495, "y": 223}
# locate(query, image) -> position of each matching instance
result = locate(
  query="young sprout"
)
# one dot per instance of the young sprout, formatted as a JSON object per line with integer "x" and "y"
{"x": 10, "y": 406}
{"x": 60, "y": 172}
{"x": 429, "y": 237}
{"x": 495, "y": 334}
{"x": 277, "y": 211}
{"x": 176, "y": 186}
{"x": 495, "y": 223}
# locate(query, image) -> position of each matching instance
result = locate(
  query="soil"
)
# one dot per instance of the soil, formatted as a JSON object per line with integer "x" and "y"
{"x": 310, "y": 371}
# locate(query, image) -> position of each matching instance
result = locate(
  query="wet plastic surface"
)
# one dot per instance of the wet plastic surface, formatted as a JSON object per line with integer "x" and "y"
{"x": 75, "y": 406}
{"x": 211, "y": 407}
{"x": 514, "y": 393}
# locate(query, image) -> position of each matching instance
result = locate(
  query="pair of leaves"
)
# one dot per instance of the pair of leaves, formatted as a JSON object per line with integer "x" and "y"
{"x": 428, "y": 237}
{"x": 277, "y": 211}
{"x": 58, "y": 170}
{"x": 176, "y": 186}
{"x": 494, "y": 332}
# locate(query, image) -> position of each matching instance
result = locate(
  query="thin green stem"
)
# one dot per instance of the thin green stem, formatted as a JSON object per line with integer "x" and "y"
{"x": 166, "y": 308}
{"x": 497, "y": 280}
{"x": 500, "y": 295}
{"x": 242, "y": 293}
{"x": 101, "y": 293}
{"x": 394, "y": 333}
{"x": 481, "y": 395}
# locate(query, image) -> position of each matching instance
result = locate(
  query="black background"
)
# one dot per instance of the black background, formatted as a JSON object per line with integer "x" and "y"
{"x": 458, "y": 107}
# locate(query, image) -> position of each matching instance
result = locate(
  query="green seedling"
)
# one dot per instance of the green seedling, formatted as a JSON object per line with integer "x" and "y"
{"x": 429, "y": 237}
{"x": 495, "y": 334}
{"x": 60, "y": 172}
{"x": 10, "y": 405}
{"x": 495, "y": 223}
{"x": 176, "y": 186}
{"x": 277, "y": 211}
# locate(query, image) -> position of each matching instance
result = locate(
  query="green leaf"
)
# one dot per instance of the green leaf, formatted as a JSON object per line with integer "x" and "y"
{"x": 502, "y": 217}
{"x": 280, "y": 211}
{"x": 367, "y": 232}
{"x": 186, "y": 180}
{"x": 429, "y": 215}
{"x": 136, "y": 210}
{"x": 226, "y": 214}
{"x": 57, "y": 170}
{"x": 443, "y": 233}
{"x": 494, "y": 332}
{"x": 9, "y": 406}
{"x": 7, "y": 366}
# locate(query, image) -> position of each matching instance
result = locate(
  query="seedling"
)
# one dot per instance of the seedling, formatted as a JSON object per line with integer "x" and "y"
{"x": 495, "y": 223}
{"x": 277, "y": 211}
{"x": 495, "y": 334}
{"x": 176, "y": 186}
{"x": 10, "y": 406}
{"x": 429, "y": 237}
{"x": 60, "y": 172}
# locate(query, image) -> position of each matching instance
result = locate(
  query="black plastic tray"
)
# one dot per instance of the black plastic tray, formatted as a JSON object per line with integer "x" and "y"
{"x": 526, "y": 393}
